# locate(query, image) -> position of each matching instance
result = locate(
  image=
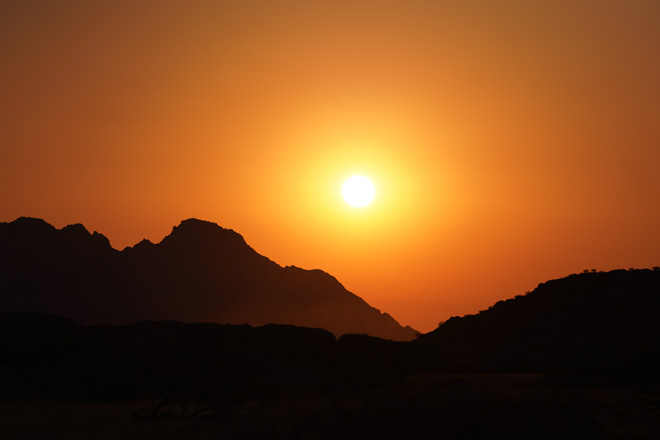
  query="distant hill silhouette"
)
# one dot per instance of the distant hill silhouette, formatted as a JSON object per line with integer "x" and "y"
{"x": 603, "y": 322}
{"x": 201, "y": 272}
{"x": 49, "y": 356}
{"x": 202, "y": 380}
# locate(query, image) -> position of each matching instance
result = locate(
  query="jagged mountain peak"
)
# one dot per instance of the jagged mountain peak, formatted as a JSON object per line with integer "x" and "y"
{"x": 30, "y": 225}
{"x": 76, "y": 228}
{"x": 197, "y": 226}
{"x": 29, "y": 238}
{"x": 193, "y": 230}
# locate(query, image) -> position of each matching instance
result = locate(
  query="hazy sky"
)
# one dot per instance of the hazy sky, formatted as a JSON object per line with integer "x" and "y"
{"x": 510, "y": 142}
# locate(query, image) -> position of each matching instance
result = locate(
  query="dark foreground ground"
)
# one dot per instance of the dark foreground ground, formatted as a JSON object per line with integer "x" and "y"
{"x": 421, "y": 406}
{"x": 168, "y": 380}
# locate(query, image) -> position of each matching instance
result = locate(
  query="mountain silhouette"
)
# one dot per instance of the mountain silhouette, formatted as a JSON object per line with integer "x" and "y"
{"x": 201, "y": 272}
{"x": 597, "y": 322}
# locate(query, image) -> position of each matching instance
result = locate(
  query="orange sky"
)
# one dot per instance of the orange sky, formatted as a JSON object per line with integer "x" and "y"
{"x": 509, "y": 142}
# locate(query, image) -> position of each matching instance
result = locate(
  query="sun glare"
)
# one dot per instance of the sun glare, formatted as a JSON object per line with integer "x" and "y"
{"x": 358, "y": 191}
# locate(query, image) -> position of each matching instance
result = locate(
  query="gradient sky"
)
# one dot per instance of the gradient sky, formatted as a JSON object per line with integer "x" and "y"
{"x": 510, "y": 142}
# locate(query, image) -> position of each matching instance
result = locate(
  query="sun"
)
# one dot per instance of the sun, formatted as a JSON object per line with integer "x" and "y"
{"x": 358, "y": 191}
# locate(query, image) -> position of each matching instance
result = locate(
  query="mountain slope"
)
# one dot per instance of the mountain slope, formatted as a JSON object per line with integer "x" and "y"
{"x": 199, "y": 273}
{"x": 606, "y": 321}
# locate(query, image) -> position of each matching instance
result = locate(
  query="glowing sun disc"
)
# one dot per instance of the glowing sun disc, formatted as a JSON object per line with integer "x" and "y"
{"x": 358, "y": 191}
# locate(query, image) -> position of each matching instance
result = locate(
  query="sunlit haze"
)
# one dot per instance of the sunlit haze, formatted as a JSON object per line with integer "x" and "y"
{"x": 508, "y": 142}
